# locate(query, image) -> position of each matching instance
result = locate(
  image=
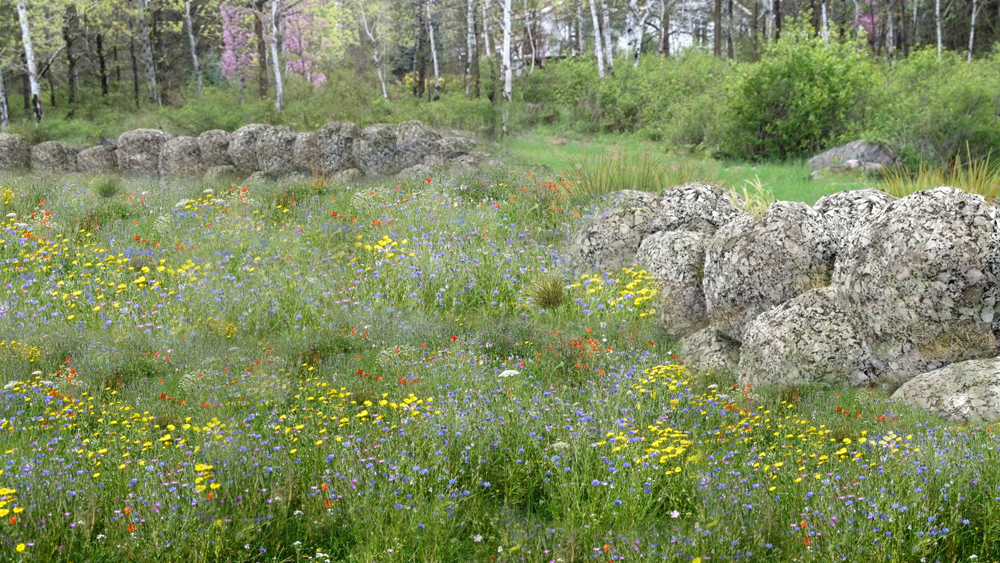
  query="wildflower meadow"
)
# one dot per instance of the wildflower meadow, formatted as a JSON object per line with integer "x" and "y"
{"x": 407, "y": 371}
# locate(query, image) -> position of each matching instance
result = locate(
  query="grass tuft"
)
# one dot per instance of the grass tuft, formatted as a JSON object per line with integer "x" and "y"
{"x": 754, "y": 201}
{"x": 614, "y": 171}
{"x": 973, "y": 175}
{"x": 108, "y": 187}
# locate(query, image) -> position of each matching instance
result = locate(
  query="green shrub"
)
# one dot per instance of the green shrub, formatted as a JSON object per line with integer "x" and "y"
{"x": 801, "y": 97}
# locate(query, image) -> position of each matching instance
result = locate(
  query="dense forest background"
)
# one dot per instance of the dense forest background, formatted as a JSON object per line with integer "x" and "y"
{"x": 761, "y": 79}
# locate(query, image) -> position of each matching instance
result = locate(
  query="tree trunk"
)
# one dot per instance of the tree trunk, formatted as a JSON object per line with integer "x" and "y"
{"x": 730, "y": 48}
{"x": 29, "y": 58}
{"x": 598, "y": 42}
{"x": 972, "y": 28}
{"x": 664, "y": 46}
{"x": 102, "y": 64}
{"x": 777, "y": 20}
{"x": 434, "y": 56}
{"x": 717, "y": 29}
{"x": 890, "y": 31}
{"x": 825, "y": 23}
{"x": 258, "y": 30}
{"x": 530, "y": 37}
{"x": 147, "y": 54}
{"x": 194, "y": 47}
{"x": 71, "y": 30}
{"x": 135, "y": 69}
{"x": 641, "y": 34}
{"x": 508, "y": 73}
{"x": 470, "y": 44}
{"x": 937, "y": 23}
{"x": 609, "y": 49}
{"x": 4, "y": 108}
{"x": 476, "y": 71}
{"x": 278, "y": 86}
{"x": 578, "y": 31}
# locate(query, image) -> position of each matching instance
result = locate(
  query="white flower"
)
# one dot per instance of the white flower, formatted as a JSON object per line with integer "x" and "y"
{"x": 559, "y": 446}
{"x": 477, "y": 538}
{"x": 208, "y": 191}
{"x": 509, "y": 373}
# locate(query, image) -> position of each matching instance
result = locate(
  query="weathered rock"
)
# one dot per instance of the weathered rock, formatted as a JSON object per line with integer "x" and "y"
{"x": 54, "y": 156}
{"x": 348, "y": 175}
{"x": 417, "y": 171}
{"x": 375, "y": 150}
{"x": 611, "y": 239}
{"x": 676, "y": 260}
{"x": 928, "y": 265}
{"x": 139, "y": 151}
{"x": 220, "y": 172}
{"x": 335, "y": 142}
{"x": 708, "y": 350}
{"x": 15, "y": 152}
{"x": 861, "y": 151}
{"x": 414, "y": 142}
{"x": 181, "y": 156}
{"x": 844, "y": 211}
{"x": 242, "y": 149}
{"x": 966, "y": 391}
{"x": 98, "y": 159}
{"x": 467, "y": 164}
{"x": 753, "y": 265}
{"x": 276, "y": 150}
{"x": 454, "y": 147}
{"x": 214, "y": 147}
{"x": 811, "y": 338}
{"x": 696, "y": 207}
{"x": 305, "y": 153}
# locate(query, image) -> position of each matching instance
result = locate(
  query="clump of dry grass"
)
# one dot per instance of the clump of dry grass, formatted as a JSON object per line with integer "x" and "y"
{"x": 752, "y": 198}
{"x": 973, "y": 175}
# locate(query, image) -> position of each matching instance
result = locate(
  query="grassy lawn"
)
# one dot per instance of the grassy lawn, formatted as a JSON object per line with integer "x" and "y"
{"x": 401, "y": 371}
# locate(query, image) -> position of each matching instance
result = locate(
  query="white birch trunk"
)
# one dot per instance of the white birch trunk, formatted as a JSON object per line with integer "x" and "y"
{"x": 630, "y": 18}
{"x": 29, "y": 58}
{"x": 147, "y": 54}
{"x": 470, "y": 44}
{"x": 972, "y": 28}
{"x": 4, "y": 109}
{"x": 507, "y": 71}
{"x": 486, "y": 30}
{"x": 857, "y": 16}
{"x": 531, "y": 38}
{"x": 194, "y": 49}
{"x": 378, "y": 49}
{"x": 598, "y": 42}
{"x": 937, "y": 23}
{"x": 609, "y": 49}
{"x": 826, "y": 23}
{"x": 640, "y": 33}
{"x": 279, "y": 92}
{"x": 434, "y": 55}
{"x": 890, "y": 33}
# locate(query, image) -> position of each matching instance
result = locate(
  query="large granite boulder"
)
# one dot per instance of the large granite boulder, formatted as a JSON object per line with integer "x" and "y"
{"x": 54, "y": 156}
{"x": 453, "y": 147}
{"x": 242, "y": 149}
{"x": 927, "y": 266}
{"x": 305, "y": 153}
{"x": 844, "y": 211}
{"x": 861, "y": 152}
{"x": 139, "y": 151}
{"x": 214, "y": 148}
{"x": 15, "y": 152}
{"x": 696, "y": 207}
{"x": 811, "y": 338}
{"x": 384, "y": 149}
{"x": 676, "y": 260}
{"x": 98, "y": 159}
{"x": 710, "y": 351}
{"x": 611, "y": 239}
{"x": 335, "y": 143}
{"x": 276, "y": 150}
{"x": 181, "y": 156}
{"x": 753, "y": 265}
{"x": 967, "y": 391}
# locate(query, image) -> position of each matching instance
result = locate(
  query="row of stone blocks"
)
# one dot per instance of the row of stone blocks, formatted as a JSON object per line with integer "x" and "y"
{"x": 337, "y": 148}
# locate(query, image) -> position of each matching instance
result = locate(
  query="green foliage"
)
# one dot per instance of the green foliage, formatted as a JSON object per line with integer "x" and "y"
{"x": 107, "y": 186}
{"x": 935, "y": 108}
{"x": 802, "y": 96}
{"x": 614, "y": 171}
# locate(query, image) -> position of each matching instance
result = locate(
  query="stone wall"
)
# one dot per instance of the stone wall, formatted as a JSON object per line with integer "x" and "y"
{"x": 337, "y": 151}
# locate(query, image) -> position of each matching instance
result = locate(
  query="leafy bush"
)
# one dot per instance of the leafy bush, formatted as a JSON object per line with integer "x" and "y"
{"x": 937, "y": 108}
{"x": 802, "y": 96}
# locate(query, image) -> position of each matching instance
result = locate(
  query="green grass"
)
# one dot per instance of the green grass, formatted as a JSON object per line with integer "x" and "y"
{"x": 383, "y": 372}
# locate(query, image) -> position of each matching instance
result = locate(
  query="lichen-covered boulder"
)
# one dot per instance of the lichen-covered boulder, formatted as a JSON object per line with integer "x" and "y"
{"x": 844, "y": 211}
{"x": 611, "y": 239}
{"x": 811, "y": 338}
{"x": 708, "y": 350}
{"x": 349, "y": 175}
{"x": 967, "y": 391}
{"x": 220, "y": 172}
{"x": 305, "y": 152}
{"x": 375, "y": 150}
{"x": 15, "y": 152}
{"x": 242, "y": 149}
{"x": 139, "y": 151}
{"x": 862, "y": 152}
{"x": 276, "y": 150}
{"x": 417, "y": 171}
{"x": 98, "y": 159}
{"x": 676, "y": 260}
{"x": 454, "y": 147}
{"x": 928, "y": 265}
{"x": 753, "y": 265}
{"x": 214, "y": 147}
{"x": 414, "y": 143}
{"x": 181, "y": 156}
{"x": 54, "y": 156}
{"x": 335, "y": 142}
{"x": 696, "y": 207}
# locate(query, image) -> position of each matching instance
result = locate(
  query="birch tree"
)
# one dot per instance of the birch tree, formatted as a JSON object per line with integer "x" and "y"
{"x": 937, "y": 24}
{"x": 273, "y": 40}
{"x": 370, "y": 27}
{"x": 4, "y": 109}
{"x": 194, "y": 46}
{"x": 470, "y": 44}
{"x": 606, "y": 34}
{"x": 29, "y": 60}
{"x": 147, "y": 53}
{"x": 972, "y": 28}
{"x": 434, "y": 56}
{"x": 598, "y": 40}
{"x": 508, "y": 74}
